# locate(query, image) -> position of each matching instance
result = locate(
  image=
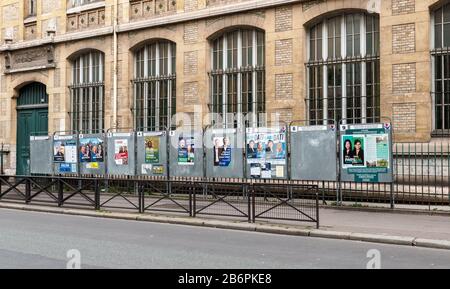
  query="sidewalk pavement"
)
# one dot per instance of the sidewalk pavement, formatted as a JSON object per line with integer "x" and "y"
{"x": 431, "y": 231}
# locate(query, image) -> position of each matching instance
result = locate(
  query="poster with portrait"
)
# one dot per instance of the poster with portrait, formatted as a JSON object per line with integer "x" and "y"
{"x": 151, "y": 149}
{"x": 266, "y": 152}
{"x": 221, "y": 151}
{"x": 186, "y": 151}
{"x": 121, "y": 152}
{"x": 353, "y": 151}
{"x": 366, "y": 151}
{"x": 91, "y": 150}
{"x": 65, "y": 151}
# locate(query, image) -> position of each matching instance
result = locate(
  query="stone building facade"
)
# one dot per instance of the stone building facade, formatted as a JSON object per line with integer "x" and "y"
{"x": 313, "y": 60}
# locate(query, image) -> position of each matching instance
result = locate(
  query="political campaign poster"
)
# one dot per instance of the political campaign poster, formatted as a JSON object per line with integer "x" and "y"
{"x": 369, "y": 151}
{"x": 91, "y": 151}
{"x": 266, "y": 152}
{"x": 121, "y": 151}
{"x": 152, "y": 149}
{"x": 353, "y": 151}
{"x": 186, "y": 151}
{"x": 65, "y": 151}
{"x": 222, "y": 151}
{"x": 366, "y": 152}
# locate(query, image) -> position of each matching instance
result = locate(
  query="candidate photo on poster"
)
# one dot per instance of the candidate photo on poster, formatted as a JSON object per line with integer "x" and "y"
{"x": 251, "y": 149}
{"x": 186, "y": 151}
{"x": 152, "y": 149}
{"x": 222, "y": 151}
{"x": 58, "y": 151}
{"x": 91, "y": 150}
{"x": 353, "y": 151}
{"x": 121, "y": 151}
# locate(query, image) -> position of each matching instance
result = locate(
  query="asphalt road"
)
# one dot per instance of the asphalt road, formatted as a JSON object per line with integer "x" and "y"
{"x": 39, "y": 240}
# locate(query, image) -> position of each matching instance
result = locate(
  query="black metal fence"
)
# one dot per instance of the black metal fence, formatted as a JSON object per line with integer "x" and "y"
{"x": 244, "y": 200}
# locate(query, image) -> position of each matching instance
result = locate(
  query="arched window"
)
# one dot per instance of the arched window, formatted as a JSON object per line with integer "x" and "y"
{"x": 155, "y": 85}
{"x": 343, "y": 69}
{"x": 237, "y": 77}
{"x": 441, "y": 69}
{"x": 87, "y": 92}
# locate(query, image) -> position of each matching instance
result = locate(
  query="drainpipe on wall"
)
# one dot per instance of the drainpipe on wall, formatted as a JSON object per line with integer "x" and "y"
{"x": 115, "y": 93}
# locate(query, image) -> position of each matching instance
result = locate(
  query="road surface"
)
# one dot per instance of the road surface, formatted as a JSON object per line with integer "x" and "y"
{"x": 40, "y": 240}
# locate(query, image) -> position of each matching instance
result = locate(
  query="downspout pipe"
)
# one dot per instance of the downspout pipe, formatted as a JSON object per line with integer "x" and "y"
{"x": 115, "y": 52}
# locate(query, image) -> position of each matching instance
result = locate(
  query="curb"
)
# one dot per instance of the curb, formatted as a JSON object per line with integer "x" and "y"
{"x": 400, "y": 211}
{"x": 262, "y": 228}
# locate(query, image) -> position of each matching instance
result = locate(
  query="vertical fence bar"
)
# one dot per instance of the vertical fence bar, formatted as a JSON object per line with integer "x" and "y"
{"x": 253, "y": 193}
{"x": 140, "y": 185}
{"x": 60, "y": 192}
{"x": 317, "y": 209}
{"x": 192, "y": 200}
{"x": 97, "y": 194}
{"x": 27, "y": 190}
{"x": 246, "y": 193}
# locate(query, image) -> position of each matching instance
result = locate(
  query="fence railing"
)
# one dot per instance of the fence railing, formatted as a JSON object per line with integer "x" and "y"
{"x": 244, "y": 200}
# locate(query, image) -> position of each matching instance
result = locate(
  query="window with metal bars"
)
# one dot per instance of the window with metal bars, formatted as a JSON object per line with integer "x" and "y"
{"x": 441, "y": 70}
{"x": 87, "y": 93}
{"x": 237, "y": 78}
{"x": 154, "y": 86}
{"x": 343, "y": 70}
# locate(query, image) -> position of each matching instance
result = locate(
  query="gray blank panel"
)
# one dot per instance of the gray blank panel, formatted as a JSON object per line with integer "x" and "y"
{"x": 236, "y": 167}
{"x": 41, "y": 155}
{"x": 178, "y": 170}
{"x": 111, "y": 167}
{"x": 140, "y": 145}
{"x": 313, "y": 155}
{"x": 84, "y": 170}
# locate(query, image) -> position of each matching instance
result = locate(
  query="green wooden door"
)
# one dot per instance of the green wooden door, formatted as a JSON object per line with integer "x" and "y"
{"x": 32, "y": 119}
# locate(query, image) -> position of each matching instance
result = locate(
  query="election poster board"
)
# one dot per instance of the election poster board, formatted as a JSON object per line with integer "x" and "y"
{"x": 121, "y": 150}
{"x": 152, "y": 154}
{"x": 224, "y": 153}
{"x": 313, "y": 153}
{"x": 186, "y": 153}
{"x": 366, "y": 153}
{"x": 65, "y": 154}
{"x": 41, "y": 156}
{"x": 91, "y": 154}
{"x": 266, "y": 153}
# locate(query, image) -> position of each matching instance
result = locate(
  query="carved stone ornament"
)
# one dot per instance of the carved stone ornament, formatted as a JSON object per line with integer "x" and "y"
{"x": 37, "y": 58}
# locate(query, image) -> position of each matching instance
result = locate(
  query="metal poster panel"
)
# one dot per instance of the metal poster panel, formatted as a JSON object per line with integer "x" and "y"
{"x": 121, "y": 153}
{"x": 92, "y": 154}
{"x": 151, "y": 154}
{"x": 366, "y": 153}
{"x": 266, "y": 153}
{"x": 314, "y": 153}
{"x": 41, "y": 157}
{"x": 186, "y": 153}
{"x": 224, "y": 153}
{"x": 65, "y": 154}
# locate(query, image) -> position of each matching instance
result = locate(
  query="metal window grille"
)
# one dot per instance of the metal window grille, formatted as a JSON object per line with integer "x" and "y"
{"x": 343, "y": 70}
{"x": 154, "y": 86}
{"x": 237, "y": 78}
{"x": 87, "y": 93}
{"x": 441, "y": 70}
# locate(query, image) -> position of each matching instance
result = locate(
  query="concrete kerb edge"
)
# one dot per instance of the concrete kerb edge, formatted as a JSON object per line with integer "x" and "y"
{"x": 317, "y": 233}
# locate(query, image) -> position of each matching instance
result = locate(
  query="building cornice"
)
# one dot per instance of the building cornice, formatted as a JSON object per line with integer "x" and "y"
{"x": 148, "y": 23}
{"x": 204, "y": 13}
